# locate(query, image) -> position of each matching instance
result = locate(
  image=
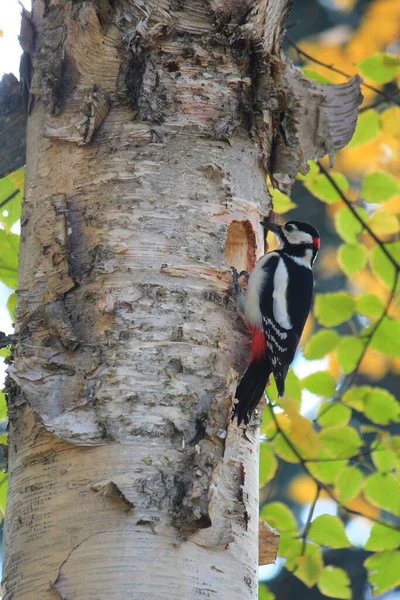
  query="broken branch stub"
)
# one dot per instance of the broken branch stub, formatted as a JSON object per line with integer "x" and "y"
{"x": 316, "y": 119}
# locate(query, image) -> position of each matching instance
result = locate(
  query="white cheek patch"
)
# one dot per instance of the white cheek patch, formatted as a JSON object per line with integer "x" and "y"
{"x": 298, "y": 237}
{"x": 279, "y": 305}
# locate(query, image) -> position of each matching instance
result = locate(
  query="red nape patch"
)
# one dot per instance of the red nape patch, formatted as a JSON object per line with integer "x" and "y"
{"x": 258, "y": 345}
{"x": 316, "y": 242}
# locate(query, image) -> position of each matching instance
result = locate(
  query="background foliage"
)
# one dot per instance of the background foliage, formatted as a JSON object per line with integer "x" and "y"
{"x": 338, "y": 451}
{"x": 335, "y": 436}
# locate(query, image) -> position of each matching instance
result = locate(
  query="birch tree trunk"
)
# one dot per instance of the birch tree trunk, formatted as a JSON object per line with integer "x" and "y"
{"x": 151, "y": 128}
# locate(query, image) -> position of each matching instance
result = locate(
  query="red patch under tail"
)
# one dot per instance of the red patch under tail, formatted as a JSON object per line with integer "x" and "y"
{"x": 258, "y": 345}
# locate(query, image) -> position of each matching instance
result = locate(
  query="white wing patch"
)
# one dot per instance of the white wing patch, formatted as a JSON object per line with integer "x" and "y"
{"x": 279, "y": 305}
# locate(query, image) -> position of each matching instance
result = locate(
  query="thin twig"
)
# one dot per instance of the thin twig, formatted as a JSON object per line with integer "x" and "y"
{"x": 335, "y": 70}
{"x": 380, "y": 101}
{"x": 308, "y": 522}
{"x": 357, "y": 216}
{"x": 323, "y": 486}
{"x": 368, "y": 338}
{"x": 9, "y": 198}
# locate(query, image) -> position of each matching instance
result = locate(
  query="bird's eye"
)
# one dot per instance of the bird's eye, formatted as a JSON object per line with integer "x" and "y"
{"x": 289, "y": 227}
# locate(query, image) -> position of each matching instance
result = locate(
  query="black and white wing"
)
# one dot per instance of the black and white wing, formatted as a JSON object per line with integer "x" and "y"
{"x": 285, "y": 304}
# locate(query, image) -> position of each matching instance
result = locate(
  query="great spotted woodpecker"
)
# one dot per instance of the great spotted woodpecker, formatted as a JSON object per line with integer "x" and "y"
{"x": 276, "y": 306}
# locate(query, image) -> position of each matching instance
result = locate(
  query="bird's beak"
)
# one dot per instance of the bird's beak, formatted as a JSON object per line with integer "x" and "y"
{"x": 274, "y": 227}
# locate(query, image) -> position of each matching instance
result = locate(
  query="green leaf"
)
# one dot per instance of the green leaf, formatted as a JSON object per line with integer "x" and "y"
{"x": 315, "y": 76}
{"x": 283, "y": 450}
{"x": 382, "y": 537}
{"x": 309, "y": 566}
{"x": 268, "y": 427}
{"x": 340, "y": 441}
{"x": 282, "y": 202}
{"x": 328, "y": 530}
{"x": 289, "y": 546}
{"x": 333, "y": 309}
{"x": 3, "y": 407}
{"x": 379, "y": 405}
{"x": 348, "y": 353}
{"x": 264, "y": 593}
{"x": 320, "y": 383}
{"x": 383, "y": 490}
{"x": 321, "y": 343}
{"x": 3, "y": 492}
{"x": 379, "y": 187}
{"x": 382, "y": 267}
{"x": 369, "y": 305}
{"x": 367, "y": 128}
{"x": 293, "y": 387}
{"x": 383, "y": 571}
{"x": 352, "y": 258}
{"x": 11, "y": 302}
{"x": 348, "y": 226}
{"x": 268, "y": 464}
{"x": 334, "y": 583}
{"x": 11, "y": 211}
{"x": 384, "y": 459}
{"x": 333, "y": 414}
{"x": 280, "y": 517}
{"x": 349, "y": 483}
{"x": 386, "y": 337}
{"x": 313, "y": 170}
{"x": 9, "y": 258}
{"x": 327, "y": 470}
{"x": 379, "y": 67}
{"x": 4, "y": 352}
{"x": 320, "y": 187}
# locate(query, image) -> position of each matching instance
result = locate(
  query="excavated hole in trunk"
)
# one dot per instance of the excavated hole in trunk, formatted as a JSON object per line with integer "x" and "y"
{"x": 240, "y": 247}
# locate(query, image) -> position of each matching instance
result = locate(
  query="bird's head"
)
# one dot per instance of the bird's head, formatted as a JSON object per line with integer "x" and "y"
{"x": 296, "y": 237}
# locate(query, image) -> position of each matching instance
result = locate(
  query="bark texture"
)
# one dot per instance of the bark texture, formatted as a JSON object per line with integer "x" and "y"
{"x": 12, "y": 126}
{"x": 151, "y": 128}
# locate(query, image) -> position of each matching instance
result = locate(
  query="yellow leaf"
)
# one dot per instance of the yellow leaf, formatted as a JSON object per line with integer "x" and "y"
{"x": 390, "y": 121}
{"x": 395, "y": 365}
{"x": 361, "y": 505}
{"x": 392, "y": 206}
{"x": 283, "y": 421}
{"x": 384, "y": 224}
{"x": 302, "y": 489}
{"x": 334, "y": 367}
{"x": 374, "y": 364}
{"x": 301, "y": 432}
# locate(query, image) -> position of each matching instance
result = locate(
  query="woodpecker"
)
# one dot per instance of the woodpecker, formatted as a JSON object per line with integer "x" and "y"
{"x": 275, "y": 306}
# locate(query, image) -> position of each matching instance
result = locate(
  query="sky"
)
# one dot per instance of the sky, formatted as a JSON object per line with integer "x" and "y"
{"x": 10, "y": 50}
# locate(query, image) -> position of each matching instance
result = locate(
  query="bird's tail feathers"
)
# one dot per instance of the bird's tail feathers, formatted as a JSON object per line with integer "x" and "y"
{"x": 280, "y": 377}
{"x": 250, "y": 389}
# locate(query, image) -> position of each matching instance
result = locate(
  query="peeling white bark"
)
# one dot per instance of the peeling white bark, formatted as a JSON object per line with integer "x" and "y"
{"x": 147, "y": 144}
